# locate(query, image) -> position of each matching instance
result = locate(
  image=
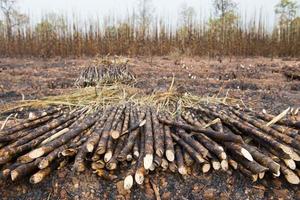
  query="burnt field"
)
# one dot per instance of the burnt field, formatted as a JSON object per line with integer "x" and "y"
{"x": 259, "y": 83}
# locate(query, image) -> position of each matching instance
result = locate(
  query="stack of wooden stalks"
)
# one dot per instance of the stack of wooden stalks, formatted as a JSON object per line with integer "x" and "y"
{"x": 111, "y": 73}
{"x": 292, "y": 73}
{"x": 138, "y": 140}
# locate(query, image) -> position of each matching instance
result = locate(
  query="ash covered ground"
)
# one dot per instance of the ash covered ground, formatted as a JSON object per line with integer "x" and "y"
{"x": 258, "y": 82}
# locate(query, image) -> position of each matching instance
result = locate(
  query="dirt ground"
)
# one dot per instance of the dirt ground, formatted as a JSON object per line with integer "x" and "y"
{"x": 258, "y": 82}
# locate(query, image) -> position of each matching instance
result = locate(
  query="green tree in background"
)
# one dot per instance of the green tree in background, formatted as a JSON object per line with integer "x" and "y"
{"x": 223, "y": 24}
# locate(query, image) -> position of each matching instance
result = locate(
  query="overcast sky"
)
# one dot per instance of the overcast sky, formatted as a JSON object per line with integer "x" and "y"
{"x": 88, "y": 9}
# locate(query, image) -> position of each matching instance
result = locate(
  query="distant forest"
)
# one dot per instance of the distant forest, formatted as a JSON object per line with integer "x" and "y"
{"x": 142, "y": 33}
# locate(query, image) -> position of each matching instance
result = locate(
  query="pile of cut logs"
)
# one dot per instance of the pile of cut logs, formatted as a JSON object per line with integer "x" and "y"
{"x": 105, "y": 74}
{"x": 140, "y": 140}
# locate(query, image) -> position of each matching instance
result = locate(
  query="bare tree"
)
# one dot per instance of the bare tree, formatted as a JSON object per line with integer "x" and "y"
{"x": 145, "y": 12}
{"x": 187, "y": 21}
{"x": 224, "y": 22}
{"x": 287, "y": 11}
{"x": 223, "y": 7}
{"x": 12, "y": 17}
{"x": 187, "y": 15}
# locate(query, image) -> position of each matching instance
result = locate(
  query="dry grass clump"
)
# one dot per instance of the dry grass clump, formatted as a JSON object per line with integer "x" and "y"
{"x": 104, "y": 95}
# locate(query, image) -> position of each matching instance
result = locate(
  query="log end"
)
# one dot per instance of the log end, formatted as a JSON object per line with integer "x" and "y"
{"x": 206, "y": 167}
{"x": 261, "y": 175}
{"x": 148, "y": 160}
{"x": 115, "y": 134}
{"x": 159, "y": 153}
{"x": 43, "y": 164}
{"x": 36, "y": 178}
{"x": 69, "y": 152}
{"x": 98, "y": 165}
{"x": 290, "y": 163}
{"x": 108, "y": 156}
{"x": 152, "y": 168}
{"x": 128, "y": 182}
{"x": 90, "y": 147}
{"x": 14, "y": 175}
{"x": 295, "y": 156}
{"x": 32, "y": 116}
{"x": 292, "y": 178}
{"x": 254, "y": 177}
{"x": 223, "y": 156}
{"x": 111, "y": 166}
{"x": 6, "y": 173}
{"x": 233, "y": 164}
{"x": 136, "y": 154}
{"x": 286, "y": 149}
{"x": 170, "y": 155}
{"x": 224, "y": 165}
{"x": 246, "y": 154}
{"x": 182, "y": 170}
{"x": 216, "y": 165}
{"x": 129, "y": 157}
{"x": 101, "y": 150}
{"x": 164, "y": 164}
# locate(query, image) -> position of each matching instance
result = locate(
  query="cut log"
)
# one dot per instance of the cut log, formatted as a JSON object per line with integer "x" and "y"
{"x": 170, "y": 152}
{"x": 43, "y": 118}
{"x": 47, "y": 160}
{"x": 149, "y": 149}
{"x": 158, "y": 135}
{"x": 86, "y": 124}
{"x": 253, "y": 166}
{"x": 198, "y": 158}
{"x": 95, "y": 137}
{"x": 128, "y": 147}
{"x": 193, "y": 143}
{"x": 179, "y": 161}
{"x": 10, "y": 152}
{"x": 233, "y": 163}
{"x": 263, "y": 159}
{"x": 289, "y": 175}
{"x": 212, "y": 134}
{"x": 102, "y": 145}
{"x": 24, "y": 170}
{"x": 269, "y": 117}
{"x": 188, "y": 160}
{"x": 246, "y": 172}
{"x": 253, "y": 132}
{"x": 26, "y": 135}
{"x": 112, "y": 164}
{"x": 281, "y": 137}
{"x": 140, "y": 171}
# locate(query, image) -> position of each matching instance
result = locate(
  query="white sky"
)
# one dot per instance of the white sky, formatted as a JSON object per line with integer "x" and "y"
{"x": 168, "y": 9}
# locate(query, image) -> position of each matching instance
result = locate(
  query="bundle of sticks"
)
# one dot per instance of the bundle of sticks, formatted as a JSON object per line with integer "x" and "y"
{"x": 140, "y": 140}
{"x": 292, "y": 73}
{"x": 105, "y": 74}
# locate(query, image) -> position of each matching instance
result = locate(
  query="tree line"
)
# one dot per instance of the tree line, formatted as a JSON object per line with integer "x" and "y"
{"x": 142, "y": 33}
